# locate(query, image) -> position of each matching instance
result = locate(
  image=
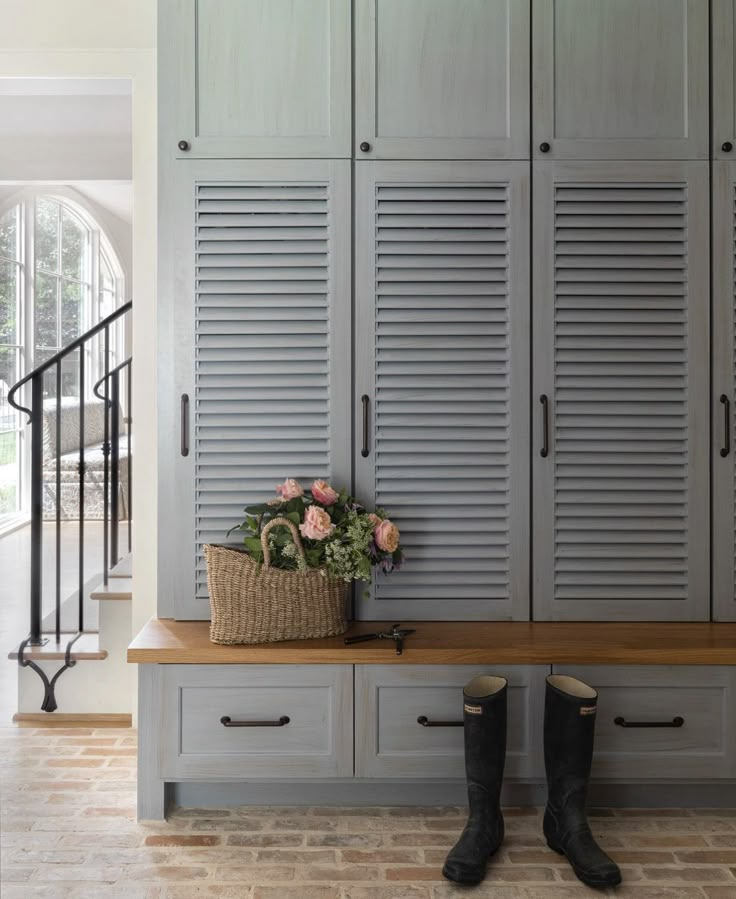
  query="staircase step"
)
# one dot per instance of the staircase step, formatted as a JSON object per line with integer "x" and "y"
{"x": 119, "y": 588}
{"x": 86, "y": 647}
{"x": 124, "y": 568}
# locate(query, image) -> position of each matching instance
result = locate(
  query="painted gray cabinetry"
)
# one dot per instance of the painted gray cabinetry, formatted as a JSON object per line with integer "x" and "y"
{"x": 263, "y": 78}
{"x": 391, "y": 742}
{"x": 621, "y": 324}
{"x": 442, "y": 79}
{"x": 257, "y": 298}
{"x": 724, "y": 78}
{"x": 315, "y": 741}
{"x": 723, "y": 405}
{"x": 620, "y": 79}
{"x": 702, "y": 746}
{"x": 442, "y": 359}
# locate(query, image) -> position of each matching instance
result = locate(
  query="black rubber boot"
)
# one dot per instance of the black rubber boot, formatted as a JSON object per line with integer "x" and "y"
{"x": 569, "y": 730}
{"x": 484, "y": 714}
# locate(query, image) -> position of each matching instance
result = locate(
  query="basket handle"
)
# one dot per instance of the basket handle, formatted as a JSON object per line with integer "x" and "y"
{"x": 274, "y": 522}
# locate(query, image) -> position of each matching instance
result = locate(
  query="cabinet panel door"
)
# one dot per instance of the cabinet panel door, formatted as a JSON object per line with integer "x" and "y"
{"x": 442, "y": 344}
{"x": 260, "y": 304}
{"x": 621, "y": 79}
{"x": 621, "y": 318}
{"x": 262, "y": 78}
{"x": 442, "y": 79}
{"x": 724, "y": 79}
{"x": 724, "y": 391}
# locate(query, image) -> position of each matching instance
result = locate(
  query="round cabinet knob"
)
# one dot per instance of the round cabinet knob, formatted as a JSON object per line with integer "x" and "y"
{"x": 365, "y": 146}
{"x": 544, "y": 147}
{"x": 183, "y": 145}
{"x": 727, "y": 146}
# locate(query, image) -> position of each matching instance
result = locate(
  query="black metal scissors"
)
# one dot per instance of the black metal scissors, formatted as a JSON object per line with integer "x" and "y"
{"x": 397, "y": 634}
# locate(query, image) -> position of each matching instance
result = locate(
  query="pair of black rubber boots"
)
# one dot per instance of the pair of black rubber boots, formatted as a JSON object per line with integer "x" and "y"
{"x": 569, "y": 729}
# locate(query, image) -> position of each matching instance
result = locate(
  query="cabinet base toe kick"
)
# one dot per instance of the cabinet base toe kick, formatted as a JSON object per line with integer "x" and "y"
{"x": 339, "y": 735}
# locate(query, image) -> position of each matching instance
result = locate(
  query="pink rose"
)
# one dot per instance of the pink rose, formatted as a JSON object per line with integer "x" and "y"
{"x": 324, "y": 494}
{"x": 387, "y": 536}
{"x": 290, "y": 489}
{"x": 317, "y": 524}
{"x": 374, "y": 519}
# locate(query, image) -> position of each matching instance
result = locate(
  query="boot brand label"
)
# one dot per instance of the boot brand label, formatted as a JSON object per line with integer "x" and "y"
{"x": 587, "y": 710}
{"x": 473, "y": 709}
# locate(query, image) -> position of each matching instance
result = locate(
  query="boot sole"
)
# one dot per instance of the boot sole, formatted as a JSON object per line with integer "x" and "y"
{"x": 470, "y": 881}
{"x": 588, "y": 881}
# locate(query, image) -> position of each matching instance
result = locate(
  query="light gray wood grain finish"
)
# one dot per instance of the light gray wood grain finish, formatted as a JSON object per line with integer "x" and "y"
{"x": 262, "y": 78}
{"x": 724, "y": 384}
{"x": 621, "y": 349}
{"x": 442, "y": 78}
{"x": 390, "y": 743}
{"x": 723, "y": 44}
{"x": 261, "y": 294}
{"x": 151, "y": 786}
{"x": 704, "y": 747}
{"x": 620, "y": 79}
{"x": 317, "y": 741}
{"x": 442, "y": 353}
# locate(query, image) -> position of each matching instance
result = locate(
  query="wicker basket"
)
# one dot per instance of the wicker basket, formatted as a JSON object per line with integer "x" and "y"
{"x": 267, "y": 605}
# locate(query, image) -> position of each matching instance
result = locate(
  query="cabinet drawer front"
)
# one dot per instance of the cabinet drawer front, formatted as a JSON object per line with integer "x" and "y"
{"x": 316, "y": 741}
{"x": 657, "y": 697}
{"x": 390, "y": 742}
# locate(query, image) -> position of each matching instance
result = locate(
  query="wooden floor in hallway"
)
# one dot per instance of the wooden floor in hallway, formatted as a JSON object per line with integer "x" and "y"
{"x": 68, "y": 831}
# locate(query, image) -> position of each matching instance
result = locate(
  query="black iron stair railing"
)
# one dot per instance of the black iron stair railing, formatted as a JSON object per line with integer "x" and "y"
{"x": 111, "y": 383}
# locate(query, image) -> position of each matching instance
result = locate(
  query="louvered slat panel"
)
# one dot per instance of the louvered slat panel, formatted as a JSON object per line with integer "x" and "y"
{"x": 262, "y": 356}
{"x": 622, "y": 365}
{"x": 442, "y": 387}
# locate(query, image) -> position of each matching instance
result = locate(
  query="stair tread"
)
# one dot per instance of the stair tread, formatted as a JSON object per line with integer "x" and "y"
{"x": 86, "y": 647}
{"x": 119, "y": 588}
{"x": 124, "y": 568}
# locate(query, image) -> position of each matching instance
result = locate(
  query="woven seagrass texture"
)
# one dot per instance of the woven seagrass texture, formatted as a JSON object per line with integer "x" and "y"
{"x": 265, "y": 605}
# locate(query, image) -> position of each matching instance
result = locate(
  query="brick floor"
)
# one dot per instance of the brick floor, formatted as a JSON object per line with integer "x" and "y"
{"x": 68, "y": 831}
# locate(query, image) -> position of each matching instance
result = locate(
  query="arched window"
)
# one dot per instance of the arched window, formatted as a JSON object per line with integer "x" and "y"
{"x": 59, "y": 275}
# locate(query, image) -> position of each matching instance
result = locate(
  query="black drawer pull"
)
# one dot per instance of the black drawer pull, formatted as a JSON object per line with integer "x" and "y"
{"x": 544, "y": 400}
{"x": 622, "y": 722}
{"x": 365, "y": 400}
{"x": 726, "y": 448}
{"x": 227, "y": 721}
{"x": 425, "y": 722}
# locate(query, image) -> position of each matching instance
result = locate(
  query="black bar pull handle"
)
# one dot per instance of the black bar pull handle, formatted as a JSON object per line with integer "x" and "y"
{"x": 185, "y": 424}
{"x": 227, "y": 721}
{"x": 726, "y": 448}
{"x": 425, "y": 722}
{"x": 544, "y": 400}
{"x": 365, "y": 400}
{"x": 622, "y": 722}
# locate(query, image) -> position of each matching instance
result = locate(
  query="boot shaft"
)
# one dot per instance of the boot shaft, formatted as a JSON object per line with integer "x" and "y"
{"x": 484, "y": 716}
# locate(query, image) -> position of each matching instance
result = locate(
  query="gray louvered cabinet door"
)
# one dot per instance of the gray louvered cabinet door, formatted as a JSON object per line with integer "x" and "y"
{"x": 723, "y": 401}
{"x": 620, "y": 79}
{"x": 621, "y": 325}
{"x": 723, "y": 42}
{"x": 442, "y": 79}
{"x": 256, "y": 78}
{"x": 262, "y": 314}
{"x": 442, "y": 356}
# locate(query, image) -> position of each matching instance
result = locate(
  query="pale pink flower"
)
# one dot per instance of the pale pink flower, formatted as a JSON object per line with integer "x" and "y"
{"x": 387, "y": 536}
{"x": 317, "y": 524}
{"x": 324, "y": 494}
{"x": 290, "y": 489}
{"x": 374, "y": 519}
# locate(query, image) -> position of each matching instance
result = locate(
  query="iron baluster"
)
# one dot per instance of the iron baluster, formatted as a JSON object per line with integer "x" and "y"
{"x": 106, "y": 463}
{"x": 81, "y": 488}
{"x": 115, "y": 464}
{"x": 36, "y": 508}
{"x": 129, "y": 399}
{"x": 58, "y": 502}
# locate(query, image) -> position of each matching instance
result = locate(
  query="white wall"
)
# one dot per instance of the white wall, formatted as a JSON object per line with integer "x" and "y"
{"x": 111, "y": 38}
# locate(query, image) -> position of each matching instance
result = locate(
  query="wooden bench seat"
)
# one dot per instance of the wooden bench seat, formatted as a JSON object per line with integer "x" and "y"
{"x": 165, "y": 641}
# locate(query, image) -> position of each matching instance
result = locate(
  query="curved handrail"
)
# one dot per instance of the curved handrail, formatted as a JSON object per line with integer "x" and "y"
{"x": 57, "y": 357}
{"x": 112, "y": 372}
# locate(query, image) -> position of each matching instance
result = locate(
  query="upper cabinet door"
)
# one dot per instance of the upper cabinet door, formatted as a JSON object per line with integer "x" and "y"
{"x": 723, "y": 402}
{"x": 263, "y": 78}
{"x": 621, "y": 333}
{"x": 620, "y": 79}
{"x": 442, "y": 364}
{"x": 256, "y": 300}
{"x": 724, "y": 79}
{"x": 442, "y": 79}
